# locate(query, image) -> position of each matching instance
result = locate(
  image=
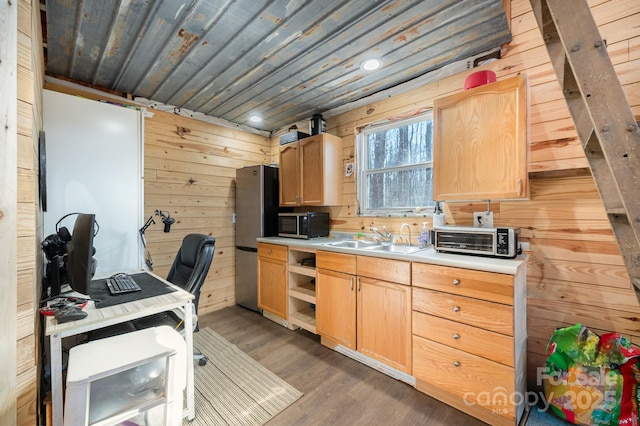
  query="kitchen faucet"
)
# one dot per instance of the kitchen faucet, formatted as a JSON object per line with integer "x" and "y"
{"x": 409, "y": 228}
{"x": 386, "y": 235}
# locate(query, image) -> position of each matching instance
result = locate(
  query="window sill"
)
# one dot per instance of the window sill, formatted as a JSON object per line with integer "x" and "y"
{"x": 395, "y": 214}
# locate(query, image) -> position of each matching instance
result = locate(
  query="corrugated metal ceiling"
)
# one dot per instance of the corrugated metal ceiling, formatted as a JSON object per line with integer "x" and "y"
{"x": 284, "y": 60}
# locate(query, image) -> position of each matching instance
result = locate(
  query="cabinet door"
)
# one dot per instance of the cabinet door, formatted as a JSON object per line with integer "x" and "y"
{"x": 289, "y": 180}
{"x": 480, "y": 143}
{"x": 312, "y": 171}
{"x": 336, "y": 307}
{"x": 272, "y": 286}
{"x": 384, "y": 322}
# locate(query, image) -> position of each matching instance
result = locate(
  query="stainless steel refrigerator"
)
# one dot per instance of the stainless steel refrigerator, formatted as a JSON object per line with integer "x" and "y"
{"x": 256, "y": 216}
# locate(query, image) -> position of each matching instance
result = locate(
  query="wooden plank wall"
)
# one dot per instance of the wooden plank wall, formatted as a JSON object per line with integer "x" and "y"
{"x": 575, "y": 271}
{"x": 8, "y": 207}
{"x": 190, "y": 169}
{"x": 29, "y": 216}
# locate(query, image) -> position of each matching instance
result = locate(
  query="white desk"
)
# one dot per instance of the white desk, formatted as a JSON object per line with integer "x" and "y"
{"x": 107, "y": 316}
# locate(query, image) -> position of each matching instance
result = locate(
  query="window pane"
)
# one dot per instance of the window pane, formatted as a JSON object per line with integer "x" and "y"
{"x": 403, "y": 189}
{"x": 400, "y": 146}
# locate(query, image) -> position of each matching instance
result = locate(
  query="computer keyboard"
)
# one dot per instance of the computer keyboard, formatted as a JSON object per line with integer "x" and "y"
{"x": 122, "y": 283}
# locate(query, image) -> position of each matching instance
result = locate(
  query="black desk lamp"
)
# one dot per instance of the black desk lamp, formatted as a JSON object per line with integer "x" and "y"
{"x": 167, "y": 220}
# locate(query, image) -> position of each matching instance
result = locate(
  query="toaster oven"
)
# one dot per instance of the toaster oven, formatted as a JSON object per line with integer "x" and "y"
{"x": 494, "y": 242}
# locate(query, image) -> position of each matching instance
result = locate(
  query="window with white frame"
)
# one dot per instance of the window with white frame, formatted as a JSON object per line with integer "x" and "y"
{"x": 395, "y": 166}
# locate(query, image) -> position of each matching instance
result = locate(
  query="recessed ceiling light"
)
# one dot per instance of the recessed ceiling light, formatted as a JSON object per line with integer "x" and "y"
{"x": 371, "y": 64}
{"x": 255, "y": 118}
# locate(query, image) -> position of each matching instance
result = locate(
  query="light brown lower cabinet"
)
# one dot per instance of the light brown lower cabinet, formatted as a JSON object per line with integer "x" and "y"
{"x": 458, "y": 334}
{"x": 469, "y": 340}
{"x": 272, "y": 279}
{"x": 336, "y": 297}
{"x": 336, "y": 308}
{"x": 358, "y": 308}
{"x": 384, "y": 322}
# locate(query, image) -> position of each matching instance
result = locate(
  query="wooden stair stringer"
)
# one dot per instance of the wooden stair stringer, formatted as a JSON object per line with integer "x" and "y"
{"x": 602, "y": 116}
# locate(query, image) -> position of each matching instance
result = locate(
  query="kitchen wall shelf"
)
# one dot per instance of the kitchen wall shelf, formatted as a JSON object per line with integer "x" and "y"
{"x": 302, "y": 289}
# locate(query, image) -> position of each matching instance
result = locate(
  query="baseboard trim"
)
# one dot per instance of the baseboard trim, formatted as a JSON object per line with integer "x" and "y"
{"x": 377, "y": 365}
{"x": 275, "y": 319}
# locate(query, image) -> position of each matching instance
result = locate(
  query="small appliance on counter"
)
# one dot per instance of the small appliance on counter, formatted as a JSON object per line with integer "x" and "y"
{"x": 303, "y": 225}
{"x": 493, "y": 242}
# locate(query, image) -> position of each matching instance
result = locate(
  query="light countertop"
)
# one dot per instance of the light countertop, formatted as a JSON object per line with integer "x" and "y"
{"x": 429, "y": 255}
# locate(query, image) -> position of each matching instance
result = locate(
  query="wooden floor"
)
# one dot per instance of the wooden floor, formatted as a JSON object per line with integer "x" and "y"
{"x": 337, "y": 390}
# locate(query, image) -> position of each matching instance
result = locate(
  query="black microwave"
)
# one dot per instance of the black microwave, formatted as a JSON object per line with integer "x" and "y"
{"x": 303, "y": 225}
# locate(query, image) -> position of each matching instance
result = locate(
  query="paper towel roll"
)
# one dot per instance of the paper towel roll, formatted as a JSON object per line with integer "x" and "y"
{"x": 438, "y": 219}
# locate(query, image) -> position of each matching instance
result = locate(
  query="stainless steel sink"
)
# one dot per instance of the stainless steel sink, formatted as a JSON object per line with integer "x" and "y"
{"x": 391, "y": 248}
{"x": 356, "y": 244}
{"x": 374, "y": 246}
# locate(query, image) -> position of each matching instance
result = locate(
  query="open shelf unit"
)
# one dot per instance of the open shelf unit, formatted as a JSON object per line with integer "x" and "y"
{"x": 302, "y": 289}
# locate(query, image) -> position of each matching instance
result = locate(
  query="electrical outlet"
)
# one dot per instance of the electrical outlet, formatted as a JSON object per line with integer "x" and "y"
{"x": 348, "y": 169}
{"x": 483, "y": 219}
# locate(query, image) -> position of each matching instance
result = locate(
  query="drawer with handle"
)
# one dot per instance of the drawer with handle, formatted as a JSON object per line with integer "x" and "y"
{"x": 273, "y": 251}
{"x": 476, "y": 380}
{"x": 484, "y": 343}
{"x": 479, "y": 313}
{"x": 478, "y": 284}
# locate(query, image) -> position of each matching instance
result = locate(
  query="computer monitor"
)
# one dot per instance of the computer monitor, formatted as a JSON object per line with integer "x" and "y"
{"x": 80, "y": 263}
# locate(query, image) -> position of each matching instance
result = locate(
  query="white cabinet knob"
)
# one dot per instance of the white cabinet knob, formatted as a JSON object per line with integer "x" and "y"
{"x": 456, "y": 336}
{"x": 456, "y": 363}
{"x": 456, "y": 281}
{"x": 456, "y": 308}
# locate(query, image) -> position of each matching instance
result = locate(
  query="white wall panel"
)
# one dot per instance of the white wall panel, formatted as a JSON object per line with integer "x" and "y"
{"x": 95, "y": 165}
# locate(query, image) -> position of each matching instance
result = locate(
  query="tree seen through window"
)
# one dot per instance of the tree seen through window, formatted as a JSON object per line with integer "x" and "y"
{"x": 396, "y": 172}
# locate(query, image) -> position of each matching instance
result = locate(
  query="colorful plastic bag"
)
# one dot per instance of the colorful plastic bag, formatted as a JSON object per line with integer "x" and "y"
{"x": 591, "y": 379}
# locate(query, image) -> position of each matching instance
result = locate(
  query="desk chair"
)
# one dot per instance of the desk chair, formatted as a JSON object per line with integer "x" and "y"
{"x": 188, "y": 271}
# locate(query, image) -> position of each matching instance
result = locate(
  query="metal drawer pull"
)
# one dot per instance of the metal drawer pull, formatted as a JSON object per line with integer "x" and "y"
{"x": 456, "y": 363}
{"x": 456, "y": 308}
{"x": 456, "y": 336}
{"x": 456, "y": 281}
{"x": 351, "y": 283}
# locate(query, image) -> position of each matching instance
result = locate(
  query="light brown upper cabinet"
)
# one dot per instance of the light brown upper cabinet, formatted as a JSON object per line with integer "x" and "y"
{"x": 481, "y": 143}
{"x": 310, "y": 172}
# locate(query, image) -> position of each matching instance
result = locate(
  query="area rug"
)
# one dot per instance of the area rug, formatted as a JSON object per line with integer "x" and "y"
{"x": 234, "y": 389}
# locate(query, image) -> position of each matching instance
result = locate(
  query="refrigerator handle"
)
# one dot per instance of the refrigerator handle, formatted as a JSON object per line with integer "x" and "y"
{"x": 250, "y": 249}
